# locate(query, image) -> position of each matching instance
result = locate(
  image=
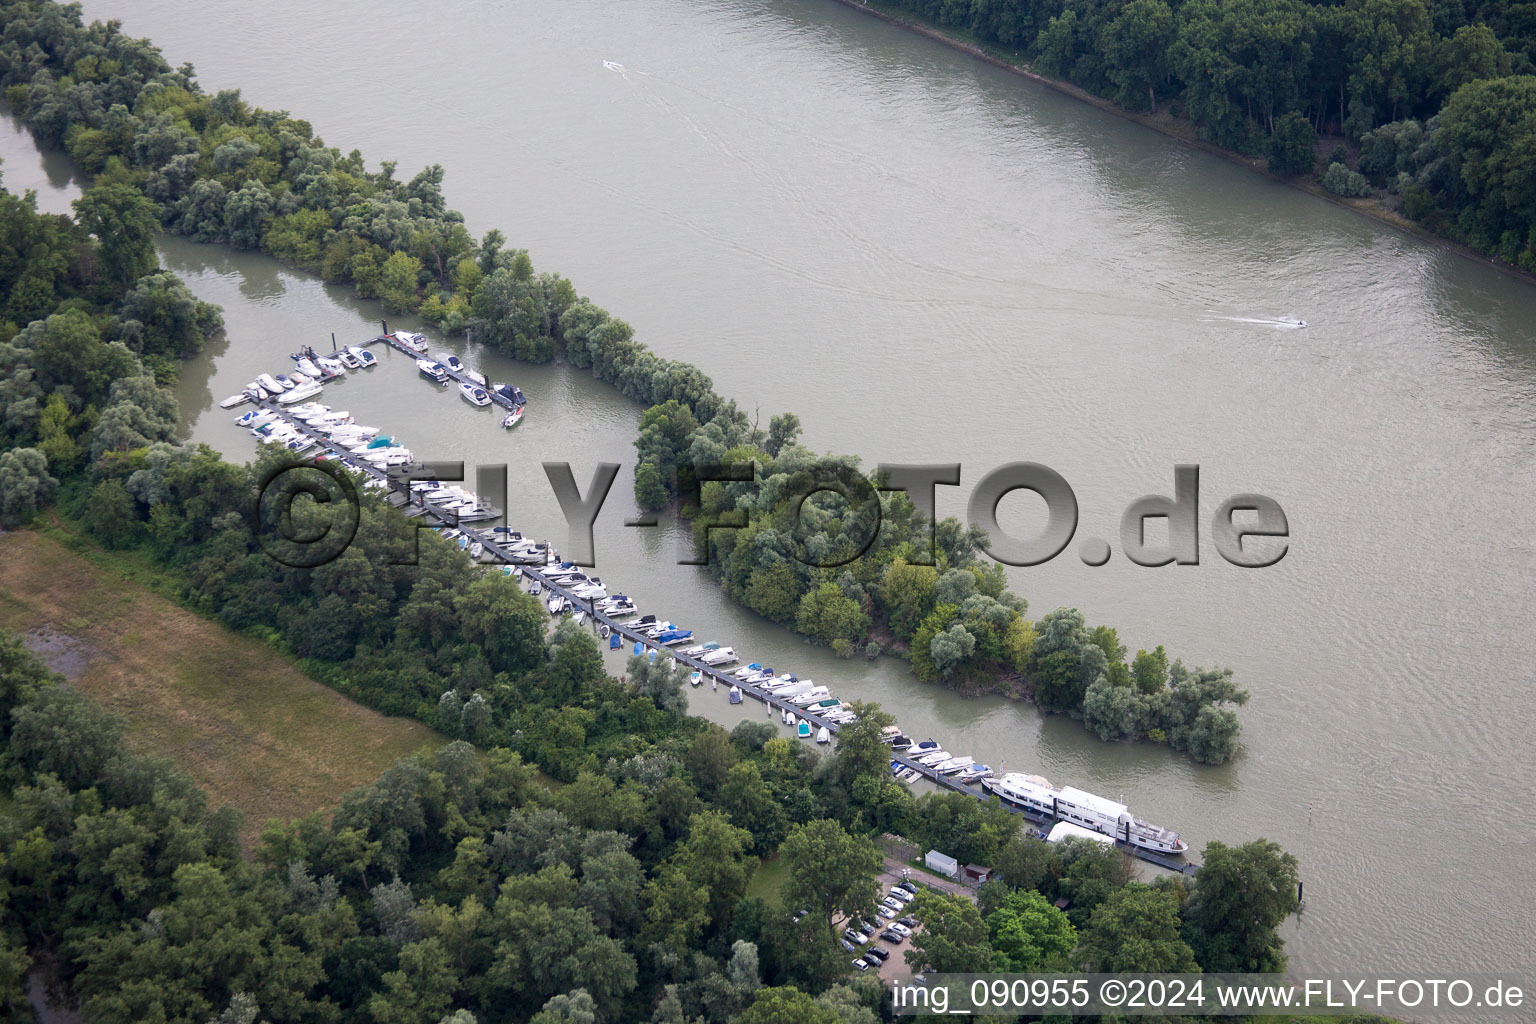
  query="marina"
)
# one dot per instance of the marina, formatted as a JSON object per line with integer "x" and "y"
{"x": 809, "y": 710}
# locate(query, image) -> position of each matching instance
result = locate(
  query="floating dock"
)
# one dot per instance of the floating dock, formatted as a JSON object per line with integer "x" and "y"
{"x": 400, "y": 496}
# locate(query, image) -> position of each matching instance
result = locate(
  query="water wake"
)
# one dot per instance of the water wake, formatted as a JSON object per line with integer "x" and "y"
{"x": 1279, "y": 323}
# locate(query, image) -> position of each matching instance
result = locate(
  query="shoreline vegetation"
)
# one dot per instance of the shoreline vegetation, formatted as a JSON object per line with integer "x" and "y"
{"x": 1413, "y": 112}
{"x": 215, "y": 169}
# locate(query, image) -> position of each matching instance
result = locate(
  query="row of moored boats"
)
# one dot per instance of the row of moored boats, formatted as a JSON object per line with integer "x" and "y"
{"x": 446, "y": 368}
{"x": 804, "y": 706}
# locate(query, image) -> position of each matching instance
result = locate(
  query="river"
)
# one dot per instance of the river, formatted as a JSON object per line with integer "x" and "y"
{"x": 961, "y": 265}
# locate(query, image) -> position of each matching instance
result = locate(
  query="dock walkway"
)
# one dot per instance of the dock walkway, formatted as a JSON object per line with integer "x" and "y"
{"x": 398, "y": 484}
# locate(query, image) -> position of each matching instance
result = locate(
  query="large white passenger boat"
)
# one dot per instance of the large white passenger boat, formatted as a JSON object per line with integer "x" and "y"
{"x": 1035, "y": 793}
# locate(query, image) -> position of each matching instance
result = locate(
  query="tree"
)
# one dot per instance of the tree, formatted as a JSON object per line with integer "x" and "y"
{"x": 783, "y": 429}
{"x": 111, "y": 516}
{"x": 25, "y": 485}
{"x": 953, "y": 938}
{"x": 126, "y": 223}
{"x": 1026, "y": 862}
{"x": 785, "y": 1005}
{"x": 828, "y": 614}
{"x": 1136, "y": 48}
{"x": 1292, "y": 146}
{"x": 1107, "y": 710}
{"x": 1136, "y": 931}
{"x": 1150, "y": 670}
{"x": 650, "y": 493}
{"x": 397, "y": 282}
{"x": 1029, "y": 934}
{"x": 1241, "y": 896}
{"x": 830, "y": 870}
{"x": 169, "y": 319}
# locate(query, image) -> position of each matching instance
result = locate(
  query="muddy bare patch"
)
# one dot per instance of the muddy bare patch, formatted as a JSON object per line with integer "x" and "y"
{"x": 66, "y": 655}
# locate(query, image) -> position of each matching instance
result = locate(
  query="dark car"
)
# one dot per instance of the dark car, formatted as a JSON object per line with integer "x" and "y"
{"x": 879, "y": 954}
{"x": 909, "y": 921}
{"x": 894, "y": 938}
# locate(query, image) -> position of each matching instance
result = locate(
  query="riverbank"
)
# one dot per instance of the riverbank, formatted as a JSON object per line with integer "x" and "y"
{"x": 1178, "y": 128}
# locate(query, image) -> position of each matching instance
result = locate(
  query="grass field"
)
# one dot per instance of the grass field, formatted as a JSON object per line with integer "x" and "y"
{"x": 254, "y": 731}
{"x": 768, "y": 881}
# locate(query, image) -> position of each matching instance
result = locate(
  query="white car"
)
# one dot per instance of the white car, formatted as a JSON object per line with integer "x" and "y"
{"x": 893, "y": 903}
{"x": 887, "y": 913}
{"x": 900, "y": 929}
{"x": 901, "y": 894}
{"x": 856, "y": 936}
{"x": 861, "y": 964}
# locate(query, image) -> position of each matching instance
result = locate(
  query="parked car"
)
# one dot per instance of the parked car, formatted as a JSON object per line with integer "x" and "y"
{"x": 856, "y": 936}
{"x": 898, "y": 893}
{"x": 879, "y": 954}
{"x": 906, "y": 887}
{"x": 893, "y": 903}
{"x": 909, "y": 921}
{"x": 800, "y": 915}
{"x": 870, "y": 927}
{"x": 899, "y": 929}
{"x": 861, "y": 964}
{"x": 887, "y": 913}
{"x": 850, "y": 947}
{"x": 892, "y": 936}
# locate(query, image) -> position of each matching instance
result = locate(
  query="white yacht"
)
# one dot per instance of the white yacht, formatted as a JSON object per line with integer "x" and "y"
{"x": 1033, "y": 792}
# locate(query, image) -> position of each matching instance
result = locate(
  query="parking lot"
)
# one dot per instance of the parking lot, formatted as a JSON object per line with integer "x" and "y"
{"x": 896, "y": 964}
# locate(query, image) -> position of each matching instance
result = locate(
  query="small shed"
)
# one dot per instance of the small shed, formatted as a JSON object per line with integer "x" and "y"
{"x": 975, "y": 875}
{"x": 943, "y": 863}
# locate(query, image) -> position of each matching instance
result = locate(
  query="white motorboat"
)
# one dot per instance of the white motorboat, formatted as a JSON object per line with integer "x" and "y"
{"x": 330, "y": 367}
{"x": 364, "y": 357}
{"x": 298, "y": 394}
{"x": 307, "y": 366}
{"x": 284, "y": 381}
{"x": 514, "y": 417}
{"x": 722, "y": 656}
{"x": 823, "y": 735}
{"x": 234, "y": 400}
{"x": 451, "y": 362}
{"x": 954, "y": 764}
{"x": 432, "y": 371}
{"x": 476, "y": 377}
{"x": 810, "y": 696}
{"x": 474, "y": 394}
{"x": 414, "y": 342}
{"x": 269, "y": 384}
{"x": 349, "y": 360}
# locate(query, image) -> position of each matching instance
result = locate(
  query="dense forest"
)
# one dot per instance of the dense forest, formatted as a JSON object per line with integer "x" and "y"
{"x": 1432, "y": 103}
{"x": 459, "y": 887}
{"x": 216, "y": 169}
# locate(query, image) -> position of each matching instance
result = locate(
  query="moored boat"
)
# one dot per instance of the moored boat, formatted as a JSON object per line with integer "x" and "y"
{"x": 474, "y": 394}
{"x": 432, "y": 371}
{"x": 299, "y": 393}
{"x": 1086, "y": 810}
